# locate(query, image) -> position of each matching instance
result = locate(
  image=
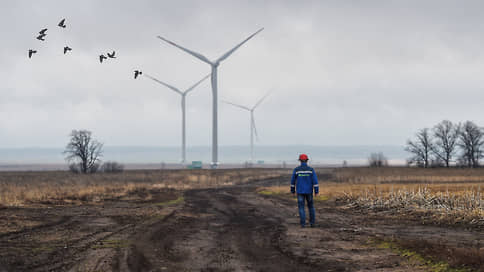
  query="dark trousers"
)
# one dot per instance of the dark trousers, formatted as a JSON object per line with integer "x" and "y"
{"x": 300, "y": 203}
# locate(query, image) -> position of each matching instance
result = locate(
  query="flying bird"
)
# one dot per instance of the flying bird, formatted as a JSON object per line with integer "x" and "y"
{"x": 112, "y": 55}
{"x": 42, "y": 32}
{"x": 31, "y": 52}
{"x": 41, "y": 37}
{"x": 62, "y": 23}
{"x": 67, "y": 48}
{"x": 137, "y": 73}
{"x": 101, "y": 58}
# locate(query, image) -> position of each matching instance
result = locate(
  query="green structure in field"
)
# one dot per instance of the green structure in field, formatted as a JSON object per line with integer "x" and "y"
{"x": 196, "y": 165}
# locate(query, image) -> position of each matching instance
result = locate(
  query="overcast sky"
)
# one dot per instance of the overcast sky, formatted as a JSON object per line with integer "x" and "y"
{"x": 343, "y": 72}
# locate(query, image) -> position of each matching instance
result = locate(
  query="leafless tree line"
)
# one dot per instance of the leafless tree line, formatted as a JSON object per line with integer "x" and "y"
{"x": 447, "y": 144}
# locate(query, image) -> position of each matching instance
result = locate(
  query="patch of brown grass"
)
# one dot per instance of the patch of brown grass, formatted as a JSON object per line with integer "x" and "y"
{"x": 407, "y": 175}
{"x": 450, "y": 203}
{"x": 446, "y": 202}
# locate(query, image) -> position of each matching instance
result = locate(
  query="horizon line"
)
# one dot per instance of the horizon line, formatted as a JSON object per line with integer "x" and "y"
{"x": 208, "y": 146}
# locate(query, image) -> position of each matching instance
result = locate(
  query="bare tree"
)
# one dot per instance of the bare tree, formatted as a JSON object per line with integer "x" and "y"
{"x": 83, "y": 152}
{"x": 471, "y": 140}
{"x": 420, "y": 148}
{"x": 446, "y": 135}
{"x": 377, "y": 160}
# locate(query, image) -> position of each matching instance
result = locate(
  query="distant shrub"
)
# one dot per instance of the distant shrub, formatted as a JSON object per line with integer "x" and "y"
{"x": 74, "y": 168}
{"x": 377, "y": 160}
{"x": 77, "y": 168}
{"x": 112, "y": 167}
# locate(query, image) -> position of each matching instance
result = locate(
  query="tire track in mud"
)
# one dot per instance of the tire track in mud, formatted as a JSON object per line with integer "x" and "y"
{"x": 78, "y": 238}
{"x": 65, "y": 220}
{"x": 70, "y": 250}
{"x": 217, "y": 230}
{"x": 66, "y": 259}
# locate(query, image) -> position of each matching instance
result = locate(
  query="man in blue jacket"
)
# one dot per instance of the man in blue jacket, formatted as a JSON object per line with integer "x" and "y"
{"x": 303, "y": 180}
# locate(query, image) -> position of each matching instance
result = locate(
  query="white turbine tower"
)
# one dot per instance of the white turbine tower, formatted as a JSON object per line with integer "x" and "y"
{"x": 253, "y": 129}
{"x": 183, "y": 96}
{"x": 214, "y": 65}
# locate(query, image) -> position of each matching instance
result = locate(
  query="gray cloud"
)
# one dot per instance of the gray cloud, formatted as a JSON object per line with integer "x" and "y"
{"x": 344, "y": 72}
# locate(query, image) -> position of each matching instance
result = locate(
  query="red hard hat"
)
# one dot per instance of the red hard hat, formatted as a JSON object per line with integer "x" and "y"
{"x": 303, "y": 157}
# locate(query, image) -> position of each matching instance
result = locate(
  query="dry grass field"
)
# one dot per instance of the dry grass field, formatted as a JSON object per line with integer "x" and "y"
{"x": 446, "y": 203}
{"x": 399, "y": 175}
{"x": 61, "y": 187}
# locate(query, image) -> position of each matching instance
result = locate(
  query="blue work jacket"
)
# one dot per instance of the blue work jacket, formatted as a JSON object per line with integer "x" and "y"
{"x": 304, "y": 179}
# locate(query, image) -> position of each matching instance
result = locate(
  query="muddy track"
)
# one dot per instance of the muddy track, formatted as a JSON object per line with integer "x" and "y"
{"x": 217, "y": 231}
{"x": 236, "y": 229}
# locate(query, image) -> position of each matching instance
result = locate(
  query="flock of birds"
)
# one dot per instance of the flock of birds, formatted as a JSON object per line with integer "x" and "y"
{"x": 43, "y": 34}
{"x": 62, "y": 24}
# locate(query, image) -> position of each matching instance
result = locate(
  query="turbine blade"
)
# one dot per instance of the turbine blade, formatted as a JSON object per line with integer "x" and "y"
{"x": 196, "y": 84}
{"x": 238, "y": 106}
{"x": 195, "y": 54}
{"x": 226, "y": 55}
{"x": 262, "y": 99}
{"x": 164, "y": 84}
{"x": 255, "y": 129}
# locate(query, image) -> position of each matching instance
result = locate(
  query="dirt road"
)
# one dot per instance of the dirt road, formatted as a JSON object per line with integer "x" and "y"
{"x": 224, "y": 229}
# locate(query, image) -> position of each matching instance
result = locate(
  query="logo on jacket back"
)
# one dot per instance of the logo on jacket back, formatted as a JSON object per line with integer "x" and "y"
{"x": 303, "y": 173}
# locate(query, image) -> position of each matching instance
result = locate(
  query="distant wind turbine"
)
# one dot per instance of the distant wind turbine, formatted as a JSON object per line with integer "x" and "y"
{"x": 183, "y": 95}
{"x": 214, "y": 65}
{"x": 253, "y": 129}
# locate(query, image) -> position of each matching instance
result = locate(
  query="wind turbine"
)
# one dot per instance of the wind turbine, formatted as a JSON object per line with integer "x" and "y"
{"x": 214, "y": 65}
{"x": 253, "y": 129}
{"x": 183, "y": 96}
